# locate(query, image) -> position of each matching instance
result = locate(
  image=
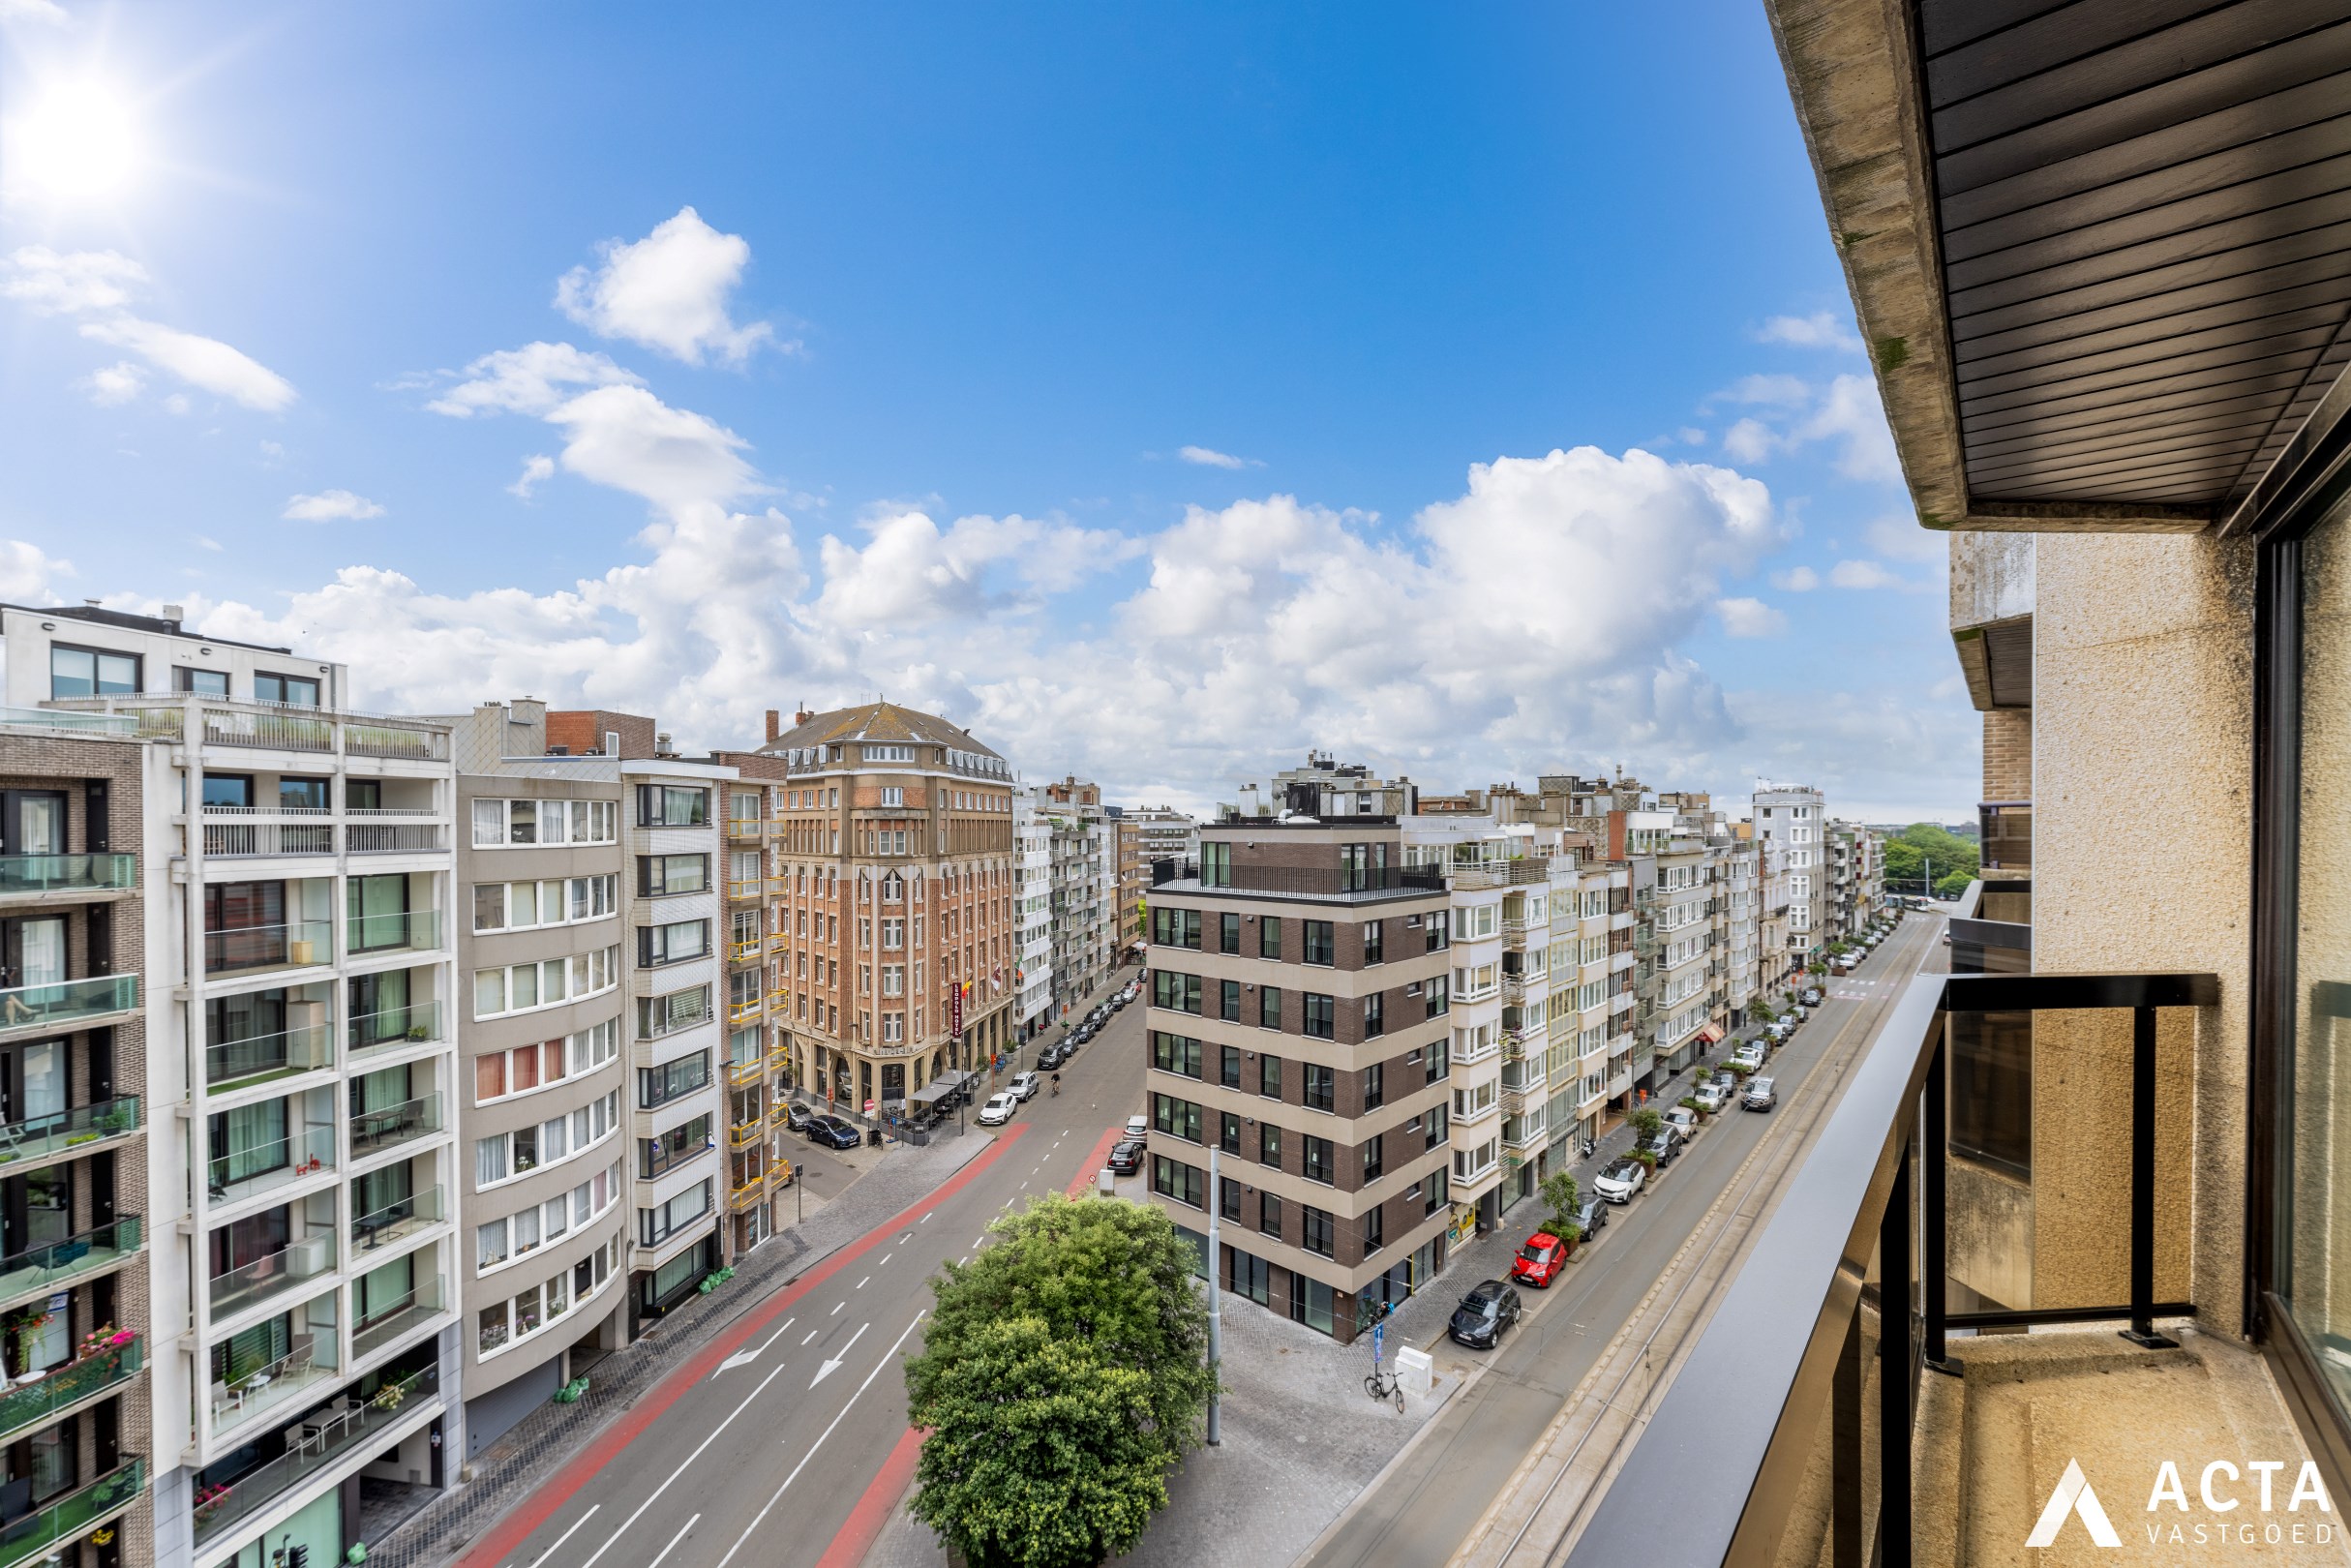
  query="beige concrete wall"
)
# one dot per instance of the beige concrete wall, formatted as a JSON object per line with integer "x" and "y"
{"x": 2142, "y": 774}
{"x": 1992, "y": 576}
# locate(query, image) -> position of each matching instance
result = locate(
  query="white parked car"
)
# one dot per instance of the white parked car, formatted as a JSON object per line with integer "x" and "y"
{"x": 1624, "y": 1177}
{"x": 1760, "y": 1094}
{"x": 1024, "y": 1085}
{"x": 998, "y": 1110}
{"x": 1683, "y": 1120}
{"x": 1138, "y": 1128}
{"x": 1709, "y": 1095}
{"x": 1812, "y": 999}
{"x": 1749, "y": 1056}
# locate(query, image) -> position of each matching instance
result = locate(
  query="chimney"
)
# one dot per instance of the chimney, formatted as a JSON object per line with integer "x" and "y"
{"x": 775, "y": 723}
{"x": 663, "y": 747}
{"x": 801, "y": 718}
{"x": 175, "y": 613}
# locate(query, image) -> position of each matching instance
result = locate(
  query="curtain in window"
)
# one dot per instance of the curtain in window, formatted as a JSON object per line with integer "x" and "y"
{"x": 249, "y": 1140}
{"x": 379, "y": 911}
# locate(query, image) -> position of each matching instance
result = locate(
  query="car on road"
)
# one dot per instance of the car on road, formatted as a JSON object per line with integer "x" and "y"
{"x": 796, "y": 1115}
{"x": 1664, "y": 1143}
{"x": 1118, "y": 1003}
{"x": 1024, "y": 1085}
{"x": 1483, "y": 1313}
{"x": 1624, "y": 1177}
{"x": 1709, "y": 1095}
{"x": 833, "y": 1133}
{"x": 1683, "y": 1120}
{"x": 1541, "y": 1258}
{"x": 1760, "y": 1094}
{"x": 1749, "y": 1056}
{"x": 1082, "y": 1033}
{"x": 1138, "y": 1128}
{"x": 1053, "y": 1056}
{"x": 998, "y": 1110}
{"x": 1591, "y": 1216}
{"x": 1812, "y": 997}
{"x": 1126, "y": 1156}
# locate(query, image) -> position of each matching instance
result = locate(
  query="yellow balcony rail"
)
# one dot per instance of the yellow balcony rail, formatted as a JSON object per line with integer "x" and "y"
{"x": 738, "y": 1011}
{"x": 742, "y": 1074}
{"x": 748, "y": 948}
{"x": 745, "y": 1135}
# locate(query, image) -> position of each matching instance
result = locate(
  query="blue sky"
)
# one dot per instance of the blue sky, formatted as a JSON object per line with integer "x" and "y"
{"x": 1110, "y": 379}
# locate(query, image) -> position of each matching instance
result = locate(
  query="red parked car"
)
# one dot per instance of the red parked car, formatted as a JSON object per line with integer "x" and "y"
{"x": 1540, "y": 1260}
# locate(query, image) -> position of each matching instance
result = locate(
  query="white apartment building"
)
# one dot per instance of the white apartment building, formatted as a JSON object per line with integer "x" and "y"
{"x": 1033, "y": 849}
{"x": 300, "y": 1021}
{"x": 1795, "y": 817}
{"x": 1477, "y": 856}
{"x": 1083, "y": 851}
{"x": 1590, "y": 1001}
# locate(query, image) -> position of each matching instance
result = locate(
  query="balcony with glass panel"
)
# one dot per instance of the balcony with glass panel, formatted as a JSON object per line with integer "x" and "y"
{"x": 392, "y": 933}
{"x": 59, "y": 1006}
{"x": 273, "y": 1365}
{"x": 25, "y": 1407}
{"x": 365, "y": 1418}
{"x": 56, "y": 876}
{"x": 43, "y": 1269}
{"x": 40, "y": 1533}
{"x": 251, "y": 927}
{"x": 395, "y": 1025}
{"x": 254, "y": 1036}
{"x": 389, "y": 1222}
{"x": 259, "y": 1148}
{"x": 388, "y": 1127}
{"x": 77, "y": 1131}
{"x": 388, "y": 1315}
{"x": 272, "y": 1275}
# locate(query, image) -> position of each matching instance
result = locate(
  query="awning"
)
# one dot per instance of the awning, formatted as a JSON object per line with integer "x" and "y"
{"x": 1709, "y": 1035}
{"x": 930, "y": 1094}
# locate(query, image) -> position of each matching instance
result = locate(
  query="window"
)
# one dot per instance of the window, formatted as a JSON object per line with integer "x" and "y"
{"x": 1374, "y": 1154}
{"x": 1320, "y": 1164}
{"x": 1268, "y": 1075}
{"x": 1374, "y": 1086}
{"x": 1991, "y": 1096}
{"x": 1321, "y": 947}
{"x": 1174, "y": 1053}
{"x": 1436, "y": 1192}
{"x": 1179, "y": 993}
{"x": 203, "y": 683}
{"x": 1229, "y": 1198}
{"x": 680, "y": 1143}
{"x": 1375, "y": 1015}
{"x": 1440, "y": 1003}
{"x": 656, "y": 1225}
{"x": 659, "y": 1016}
{"x": 1269, "y": 937}
{"x": 1321, "y": 1015}
{"x": 1375, "y": 943}
{"x": 1375, "y": 1230}
{"x": 661, "y": 875}
{"x": 1440, "y": 930}
{"x": 1321, "y": 1087}
{"x": 1269, "y": 1006}
{"x": 1177, "y": 1117}
{"x": 1216, "y": 865}
{"x": 550, "y": 982}
{"x": 1269, "y": 1145}
{"x": 1172, "y": 1178}
{"x": 1228, "y": 933}
{"x": 1175, "y": 928}
{"x": 1320, "y": 1235}
{"x": 510, "y": 823}
{"x": 1228, "y": 1066}
{"x": 674, "y": 943}
{"x": 672, "y": 806}
{"x": 893, "y": 932}
{"x": 295, "y": 691}
{"x": 1228, "y": 1136}
{"x": 85, "y": 672}
{"x": 1269, "y": 1214}
{"x": 1441, "y": 1064}
{"x": 893, "y": 795}
{"x": 659, "y": 1085}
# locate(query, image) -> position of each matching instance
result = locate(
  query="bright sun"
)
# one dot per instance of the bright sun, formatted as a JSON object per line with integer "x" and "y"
{"x": 76, "y": 141}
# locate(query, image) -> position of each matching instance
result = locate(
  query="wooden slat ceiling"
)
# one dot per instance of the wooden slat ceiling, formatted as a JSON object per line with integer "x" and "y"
{"x": 2145, "y": 216}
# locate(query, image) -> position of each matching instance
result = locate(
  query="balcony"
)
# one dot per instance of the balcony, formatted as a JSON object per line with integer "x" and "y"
{"x": 396, "y": 1222}
{"x": 1476, "y": 1112}
{"x": 746, "y": 950}
{"x": 747, "y": 1134}
{"x": 1854, "y": 1278}
{"x": 82, "y": 1130}
{"x": 32, "y": 874}
{"x": 1312, "y": 882}
{"x": 240, "y": 1062}
{"x": 238, "y": 837}
{"x": 247, "y": 950}
{"x": 1471, "y": 1052}
{"x": 74, "y": 1515}
{"x": 29, "y": 1406}
{"x": 1516, "y": 873}
{"x": 745, "y": 1074}
{"x": 386, "y": 1030}
{"x": 376, "y": 1131}
{"x": 66, "y": 1004}
{"x": 748, "y": 1195}
{"x": 360, "y": 1423}
{"x": 266, "y": 1277}
{"x": 42, "y": 1268}
{"x": 396, "y": 837}
{"x": 264, "y": 1167}
{"x": 289, "y": 1378}
{"x": 394, "y": 1322}
{"x": 416, "y": 930}
{"x": 744, "y": 830}
{"x": 748, "y": 890}
{"x": 744, "y": 1011}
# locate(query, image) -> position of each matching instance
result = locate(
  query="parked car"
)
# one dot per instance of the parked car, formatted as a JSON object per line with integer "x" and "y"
{"x": 1749, "y": 1056}
{"x": 999, "y": 1109}
{"x": 1760, "y": 1096}
{"x": 1138, "y": 1128}
{"x": 1591, "y": 1216}
{"x": 1541, "y": 1258}
{"x": 1664, "y": 1143}
{"x": 1119, "y": 1001}
{"x": 1709, "y": 1095}
{"x": 796, "y": 1115}
{"x": 1483, "y": 1313}
{"x": 1812, "y": 997}
{"x": 1126, "y": 1156}
{"x": 1624, "y": 1177}
{"x": 1053, "y": 1056}
{"x": 833, "y": 1133}
{"x": 1682, "y": 1118}
{"x": 1024, "y": 1085}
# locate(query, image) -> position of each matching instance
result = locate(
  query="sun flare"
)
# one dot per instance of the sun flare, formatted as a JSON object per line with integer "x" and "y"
{"x": 76, "y": 142}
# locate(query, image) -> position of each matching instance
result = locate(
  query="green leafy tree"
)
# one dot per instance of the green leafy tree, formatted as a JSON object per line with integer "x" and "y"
{"x": 1646, "y": 1121}
{"x": 1561, "y": 1198}
{"x": 1955, "y": 858}
{"x": 1063, "y": 1374}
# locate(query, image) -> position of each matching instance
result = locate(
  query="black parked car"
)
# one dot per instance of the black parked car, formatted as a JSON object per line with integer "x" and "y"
{"x": 1483, "y": 1313}
{"x": 833, "y": 1131}
{"x": 1591, "y": 1216}
{"x": 1664, "y": 1143}
{"x": 1053, "y": 1055}
{"x": 1126, "y": 1156}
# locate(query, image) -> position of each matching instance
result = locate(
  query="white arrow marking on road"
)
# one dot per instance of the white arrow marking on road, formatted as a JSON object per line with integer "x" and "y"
{"x": 742, "y": 1357}
{"x": 567, "y": 1535}
{"x": 675, "y": 1539}
{"x": 681, "y": 1470}
{"x": 834, "y": 1364}
{"x": 762, "y": 1515}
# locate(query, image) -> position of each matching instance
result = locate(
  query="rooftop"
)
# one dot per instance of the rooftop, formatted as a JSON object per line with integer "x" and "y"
{"x": 882, "y": 722}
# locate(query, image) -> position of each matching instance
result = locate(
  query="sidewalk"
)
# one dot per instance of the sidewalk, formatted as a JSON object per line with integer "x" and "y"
{"x": 505, "y": 1472}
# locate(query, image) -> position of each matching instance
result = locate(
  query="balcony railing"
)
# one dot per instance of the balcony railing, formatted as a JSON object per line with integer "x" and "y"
{"x": 246, "y": 1173}
{"x": 742, "y": 1075}
{"x": 321, "y": 1443}
{"x": 68, "y": 873}
{"x": 1811, "y": 1308}
{"x": 38, "y": 1137}
{"x": 272, "y": 1387}
{"x": 396, "y": 837}
{"x": 740, "y": 1012}
{"x": 390, "y": 1027}
{"x": 416, "y": 930}
{"x": 302, "y": 1049}
{"x": 1471, "y": 1115}
{"x": 380, "y": 1227}
{"x": 1468, "y": 1053}
{"x": 290, "y": 945}
{"x": 233, "y": 840}
{"x": 747, "y": 1134}
{"x": 27, "y": 1405}
{"x": 72, "y": 1515}
{"x": 375, "y": 1130}
{"x": 74, "y": 1257}
{"x": 1303, "y": 882}
{"x": 749, "y": 1193}
{"x": 396, "y": 741}
{"x": 388, "y": 1324}
{"x": 267, "y": 1277}
{"x": 63, "y": 1004}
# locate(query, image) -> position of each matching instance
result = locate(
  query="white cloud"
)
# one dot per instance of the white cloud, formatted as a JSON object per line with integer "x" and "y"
{"x": 1850, "y": 413}
{"x": 204, "y": 363}
{"x": 55, "y": 283}
{"x": 978, "y": 567}
{"x": 27, "y": 572}
{"x": 330, "y": 506}
{"x": 1770, "y": 391}
{"x": 273, "y": 456}
{"x": 1691, "y": 435}
{"x": 628, "y": 439}
{"x": 1209, "y": 458}
{"x": 1823, "y": 329}
{"x": 203, "y": 543}
{"x": 531, "y": 380}
{"x": 1905, "y": 540}
{"x": 177, "y": 404}
{"x": 1750, "y": 618}
{"x": 1798, "y": 580}
{"x": 667, "y": 291}
{"x": 115, "y": 383}
{"x": 1749, "y": 440}
{"x": 1868, "y": 574}
{"x": 534, "y": 469}
{"x": 46, "y": 12}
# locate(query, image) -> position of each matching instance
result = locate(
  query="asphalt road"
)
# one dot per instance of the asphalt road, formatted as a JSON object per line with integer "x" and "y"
{"x": 1423, "y": 1511}
{"x": 784, "y": 1443}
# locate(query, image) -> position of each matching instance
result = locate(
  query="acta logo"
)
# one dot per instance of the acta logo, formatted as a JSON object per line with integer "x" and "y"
{"x": 2073, "y": 1496}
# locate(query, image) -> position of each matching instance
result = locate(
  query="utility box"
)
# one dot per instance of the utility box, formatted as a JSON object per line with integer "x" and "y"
{"x": 1416, "y": 1369}
{"x": 1104, "y": 1181}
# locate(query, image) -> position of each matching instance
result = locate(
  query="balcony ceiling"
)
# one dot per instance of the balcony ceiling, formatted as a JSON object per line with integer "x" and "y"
{"x": 2100, "y": 249}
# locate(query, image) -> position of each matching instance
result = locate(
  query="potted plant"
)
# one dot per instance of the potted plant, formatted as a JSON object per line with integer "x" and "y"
{"x": 388, "y": 1397}
{"x": 208, "y": 1501}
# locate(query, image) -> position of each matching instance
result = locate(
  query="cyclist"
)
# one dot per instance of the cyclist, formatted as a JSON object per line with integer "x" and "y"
{"x": 1057, "y": 1083}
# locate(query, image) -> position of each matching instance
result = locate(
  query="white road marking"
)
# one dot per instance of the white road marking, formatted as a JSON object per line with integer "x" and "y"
{"x": 811, "y": 1336}
{"x": 675, "y": 1539}
{"x": 743, "y": 1358}
{"x": 811, "y": 1454}
{"x": 982, "y": 1242}
{"x": 681, "y": 1469}
{"x": 836, "y": 1309}
{"x": 925, "y": 1219}
{"x": 862, "y": 1283}
{"x": 965, "y": 1259}
{"x": 886, "y": 1257}
{"x": 567, "y": 1535}
{"x": 835, "y": 1364}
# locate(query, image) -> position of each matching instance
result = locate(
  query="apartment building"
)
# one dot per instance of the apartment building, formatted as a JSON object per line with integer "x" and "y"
{"x": 300, "y": 982}
{"x": 1134, "y": 876}
{"x": 1033, "y": 849}
{"x": 892, "y": 902}
{"x": 81, "y": 875}
{"x": 1148, "y": 834}
{"x": 1795, "y": 818}
{"x": 1084, "y": 890}
{"x": 1300, "y": 1026}
{"x": 545, "y": 1088}
{"x": 1590, "y": 1023}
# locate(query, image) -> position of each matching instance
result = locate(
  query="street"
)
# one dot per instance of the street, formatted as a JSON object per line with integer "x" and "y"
{"x": 784, "y": 1441}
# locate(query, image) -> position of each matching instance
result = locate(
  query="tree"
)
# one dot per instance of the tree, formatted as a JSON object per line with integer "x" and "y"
{"x": 1063, "y": 1374}
{"x": 1559, "y": 1194}
{"x": 1953, "y": 857}
{"x": 1646, "y": 1121}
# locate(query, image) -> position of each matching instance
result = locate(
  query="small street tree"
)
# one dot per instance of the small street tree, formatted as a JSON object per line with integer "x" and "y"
{"x": 1560, "y": 1196}
{"x": 1646, "y": 1121}
{"x": 1063, "y": 1374}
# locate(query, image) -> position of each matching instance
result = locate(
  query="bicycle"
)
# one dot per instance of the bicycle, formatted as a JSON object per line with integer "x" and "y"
{"x": 1383, "y": 1384}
